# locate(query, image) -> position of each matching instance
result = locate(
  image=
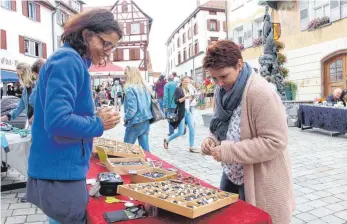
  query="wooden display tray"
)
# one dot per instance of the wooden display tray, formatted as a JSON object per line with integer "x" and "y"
{"x": 124, "y": 170}
{"x": 151, "y": 192}
{"x": 118, "y": 149}
{"x": 139, "y": 178}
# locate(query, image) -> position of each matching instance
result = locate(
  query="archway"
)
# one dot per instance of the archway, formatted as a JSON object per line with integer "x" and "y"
{"x": 334, "y": 69}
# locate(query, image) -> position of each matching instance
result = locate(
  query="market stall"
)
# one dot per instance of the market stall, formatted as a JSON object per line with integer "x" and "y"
{"x": 238, "y": 212}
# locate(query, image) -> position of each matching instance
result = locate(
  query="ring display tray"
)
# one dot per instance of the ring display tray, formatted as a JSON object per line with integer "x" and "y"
{"x": 188, "y": 200}
{"x": 122, "y": 166}
{"x": 152, "y": 175}
{"x": 118, "y": 149}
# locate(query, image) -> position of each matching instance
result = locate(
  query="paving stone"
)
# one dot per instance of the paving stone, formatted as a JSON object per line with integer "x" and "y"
{"x": 316, "y": 203}
{"x": 6, "y": 213}
{"x": 342, "y": 215}
{"x": 316, "y": 221}
{"x": 15, "y": 219}
{"x": 336, "y": 207}
{"x": 20, "y": 205}
{"x": 4, "y": 196}
{"x": 331, "y": 219}
{"x": 4, "y": 206}
{"x": 37, "y": 217}
{"x": 306, "y": 217}
{"x": 321, "y": 212}
{"x": 24, "y": 211}
{"x": 330, "y": 200}
{"x": 297, "y": 221}
{"x": 304, "y": 208}
{"x": 39, "y": 211}
{"x": 3, "y": 220}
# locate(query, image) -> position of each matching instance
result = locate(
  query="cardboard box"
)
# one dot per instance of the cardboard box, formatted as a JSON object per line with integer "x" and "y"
{"x": 124, "y": 170}
{"x": 140, "y": 178}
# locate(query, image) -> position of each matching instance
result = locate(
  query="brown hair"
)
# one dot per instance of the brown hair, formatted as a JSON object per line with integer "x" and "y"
{"x": 96, "y": 21}
{"x": 222, "y": 54}
{"x": 36, "y": 67}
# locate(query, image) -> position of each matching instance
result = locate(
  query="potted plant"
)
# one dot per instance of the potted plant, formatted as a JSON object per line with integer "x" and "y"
{"x": 290, "y": 88}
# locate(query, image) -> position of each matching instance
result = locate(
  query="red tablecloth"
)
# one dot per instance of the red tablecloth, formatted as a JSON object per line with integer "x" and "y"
{"x": 237, "y": 213}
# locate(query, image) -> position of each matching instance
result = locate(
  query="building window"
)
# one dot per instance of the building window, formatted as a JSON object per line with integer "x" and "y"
{"x": 135, "y": 28}
{"x": 213, "y": 25}
{"x": 258, "y": 29}
{"x": 196, "y": 48}
{"x": 178, "y": 42}
{"x": 75, "y": 5}
{"x": 238, "y": 35}
{"x": 124, "y": 6}
{"x": 184, "y": 54}
{"x": 195, "y": 29}
{"x": 134, "y": 54}
{"x": 190, "y": 33}
{"x": 32, "y": 10}
{"x": 190, "y": 50}
{"x": 184, "y": 38}
{"x": 212, "y": 12}
{"x": 6, "y": 4}
{"x": 179, "y": 58}
{"x": 336, "y": 74}
{"x": 321, "y": 8}
{"x": 62, "y": 17}
{"x": 33, "y": 48}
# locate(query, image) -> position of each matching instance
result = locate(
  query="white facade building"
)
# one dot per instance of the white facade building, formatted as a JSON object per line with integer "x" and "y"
{"x": 187, "y": 45}
{"x": 26, "y": 32}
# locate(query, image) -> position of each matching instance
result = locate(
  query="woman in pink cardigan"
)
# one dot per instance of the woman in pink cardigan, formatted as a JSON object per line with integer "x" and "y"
{"x": 249, "y": 134}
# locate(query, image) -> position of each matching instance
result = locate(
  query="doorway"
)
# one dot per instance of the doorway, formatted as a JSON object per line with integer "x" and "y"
{"x": 335, "y": 74}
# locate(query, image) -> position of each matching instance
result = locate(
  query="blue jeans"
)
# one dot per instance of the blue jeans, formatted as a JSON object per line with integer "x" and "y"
{"x": 138, "y": 132}
{"x": 228, "y": 186}
{"x": 52, "y": 221}
{"x": 161, "y": 103}
{"x": 188, "y": 119}
{"x": 171, "y": 129}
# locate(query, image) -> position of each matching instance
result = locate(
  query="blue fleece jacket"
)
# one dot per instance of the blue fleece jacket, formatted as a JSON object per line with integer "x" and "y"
{"x": 65, "y": 122}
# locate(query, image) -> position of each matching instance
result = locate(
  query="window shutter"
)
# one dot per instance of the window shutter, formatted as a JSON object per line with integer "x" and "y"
{"x": 3, "y": 40}
{"x": 38, "y": 13}
{"x": 131, "y": 54}
{"x": 58, "y": 17}
{"x": 335, "y": 10}
{"x": 137, "y": 54}
{"x": 13, "y": 6}
{"x": 128, "y": 29}
{"x": 25, "y": 9}
{"x": 196, "y": 29}
{"x": 304, "y": 18}
{"x": 208, "y": 25}
{"x": 44, "y": 50}
{"x": 142, "y": 28}
{"x": 218, "y": 25}
{"x": 224, "y": 26}
{"x": 21, "y": 44}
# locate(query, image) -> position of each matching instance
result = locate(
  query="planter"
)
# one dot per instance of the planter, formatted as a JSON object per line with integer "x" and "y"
{"x": 207, "y": 119}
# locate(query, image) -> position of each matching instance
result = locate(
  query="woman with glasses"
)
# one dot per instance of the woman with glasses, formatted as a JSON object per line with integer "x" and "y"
{"x": 65, "y": 122}
{"x": 137, "y": 108}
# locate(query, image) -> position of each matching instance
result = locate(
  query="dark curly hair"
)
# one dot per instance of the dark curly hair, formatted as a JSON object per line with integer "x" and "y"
{"x": 96, "y": 20}
{"x": 222, "y": 54}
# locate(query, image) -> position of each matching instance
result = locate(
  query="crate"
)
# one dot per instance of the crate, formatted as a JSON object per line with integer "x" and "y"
{"x": 118, "y": 149}
{"x": 180, "y": 198}
{"x": 124, "y": 170}
{"x": 140, "y": 178}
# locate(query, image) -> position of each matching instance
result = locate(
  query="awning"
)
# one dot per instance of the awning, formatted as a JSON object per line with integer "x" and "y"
{"x": 8, "y": 76}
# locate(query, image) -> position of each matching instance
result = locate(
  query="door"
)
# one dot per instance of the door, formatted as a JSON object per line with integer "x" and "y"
{"x": 335, "y": 74}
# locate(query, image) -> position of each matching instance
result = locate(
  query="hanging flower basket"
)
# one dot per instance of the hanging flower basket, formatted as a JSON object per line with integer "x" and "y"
{"x": 257, "y": 42}
{"x": 317, "y": 23}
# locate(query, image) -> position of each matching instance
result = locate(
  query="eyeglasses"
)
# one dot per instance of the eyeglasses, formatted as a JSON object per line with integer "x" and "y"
{"x": 108, "y": 45}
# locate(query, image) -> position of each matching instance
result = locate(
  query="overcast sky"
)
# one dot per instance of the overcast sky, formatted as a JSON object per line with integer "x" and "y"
{"x": 167, "y": 15}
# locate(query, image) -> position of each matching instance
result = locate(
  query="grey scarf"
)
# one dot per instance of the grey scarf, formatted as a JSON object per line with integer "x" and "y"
{"x": 227, "y": 102}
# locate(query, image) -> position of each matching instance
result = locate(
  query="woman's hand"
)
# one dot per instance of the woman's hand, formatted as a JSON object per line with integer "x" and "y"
{"x": 110, "y": 118}
{"x": 207, "y": 145}
{"x": 4, "y": 118}
{"x": 217, "y": 154}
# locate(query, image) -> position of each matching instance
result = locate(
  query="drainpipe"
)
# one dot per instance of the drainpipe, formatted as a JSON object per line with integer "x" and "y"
{"x": 53, "y": 25}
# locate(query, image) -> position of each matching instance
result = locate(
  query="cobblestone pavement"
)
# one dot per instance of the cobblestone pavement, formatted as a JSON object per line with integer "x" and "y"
{"x": 319, "y": 172}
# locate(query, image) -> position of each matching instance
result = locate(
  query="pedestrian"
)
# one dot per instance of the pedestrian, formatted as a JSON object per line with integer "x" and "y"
{"x": 169, "y": 100}
{"x": 65, "y": 122}
{"x": 182, "y": 100}
{"x": 249, "y": 134}
{"x": 137, "y": 108}
{"x": 159, "y": 90}
{"x": 35, "y": 69}
{"x": 27, "y": 80}
{"x": 117, "y": 95}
